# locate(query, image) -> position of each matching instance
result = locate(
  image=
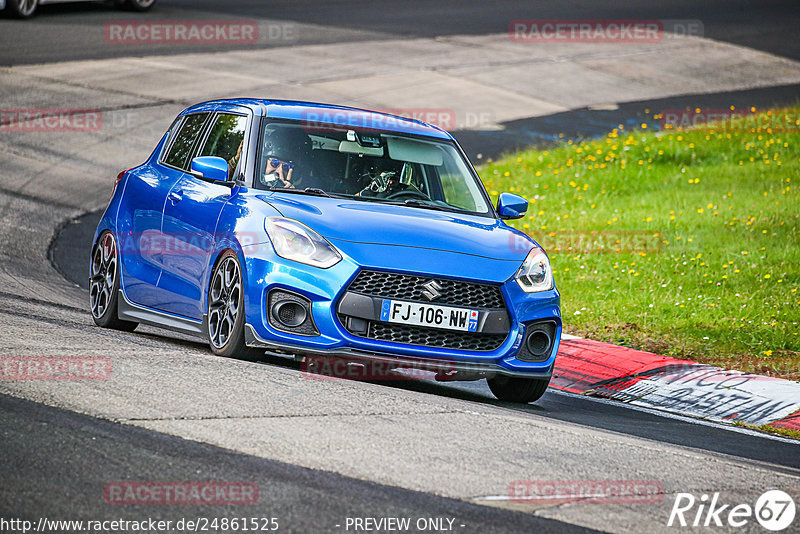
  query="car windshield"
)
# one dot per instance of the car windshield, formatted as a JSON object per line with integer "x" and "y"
{"x": 368, "y": 165}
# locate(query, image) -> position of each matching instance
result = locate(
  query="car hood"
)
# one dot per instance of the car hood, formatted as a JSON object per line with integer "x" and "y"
{"x": 405, "y": 226}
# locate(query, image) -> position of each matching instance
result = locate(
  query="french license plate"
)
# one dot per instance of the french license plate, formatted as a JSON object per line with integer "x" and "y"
{"x": 430, "y": 315}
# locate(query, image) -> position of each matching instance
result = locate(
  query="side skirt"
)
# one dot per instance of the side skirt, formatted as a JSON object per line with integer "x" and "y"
{"x": 129, "y": 311}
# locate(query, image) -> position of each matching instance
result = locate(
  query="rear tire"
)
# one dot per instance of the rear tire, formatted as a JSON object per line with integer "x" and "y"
{"x": 515, "y": 389}
{"x": 104, "y": 285}
{"x": 22, "y": 9}
{"x": 226, "y": 317}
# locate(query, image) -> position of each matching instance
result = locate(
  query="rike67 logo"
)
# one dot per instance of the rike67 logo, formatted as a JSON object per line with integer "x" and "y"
{"x": 774, "y": 510}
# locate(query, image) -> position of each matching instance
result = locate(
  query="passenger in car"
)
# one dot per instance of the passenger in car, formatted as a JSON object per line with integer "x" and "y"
{"x": 234, "y": 161}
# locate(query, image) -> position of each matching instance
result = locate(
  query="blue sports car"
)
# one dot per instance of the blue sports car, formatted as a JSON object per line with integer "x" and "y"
{"x": 323, "y": 231}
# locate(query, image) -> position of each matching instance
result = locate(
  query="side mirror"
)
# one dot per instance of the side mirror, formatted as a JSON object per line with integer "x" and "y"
{"x": 210, "y": 168}
{"x": 510, "y": 206}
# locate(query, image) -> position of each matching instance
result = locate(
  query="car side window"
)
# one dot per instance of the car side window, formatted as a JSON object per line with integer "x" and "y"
{"x": 225, "y": 139}
{"x": 184, "y": 141}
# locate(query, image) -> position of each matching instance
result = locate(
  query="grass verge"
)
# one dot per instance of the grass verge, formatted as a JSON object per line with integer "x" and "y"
{"x": 778, "y": 431}
{"x": 685, "y": 243}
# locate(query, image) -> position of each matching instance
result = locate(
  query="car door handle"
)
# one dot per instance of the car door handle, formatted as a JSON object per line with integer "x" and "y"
{"x": 175, "y": 196}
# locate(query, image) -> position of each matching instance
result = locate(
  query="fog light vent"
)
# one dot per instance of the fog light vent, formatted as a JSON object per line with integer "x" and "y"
{"x": 289, "y": 312}
{"x": 539, "y": 340}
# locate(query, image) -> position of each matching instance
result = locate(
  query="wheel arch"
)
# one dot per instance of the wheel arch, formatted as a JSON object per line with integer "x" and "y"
{"x": 227, "y": 244}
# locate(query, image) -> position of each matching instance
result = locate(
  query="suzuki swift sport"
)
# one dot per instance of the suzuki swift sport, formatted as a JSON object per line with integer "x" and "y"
{"x": 327, "y": 232}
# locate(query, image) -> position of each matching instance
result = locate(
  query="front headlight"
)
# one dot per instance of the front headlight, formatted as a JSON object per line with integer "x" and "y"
{"x": 294, "y": 240}
{"x": 535, "y": 273}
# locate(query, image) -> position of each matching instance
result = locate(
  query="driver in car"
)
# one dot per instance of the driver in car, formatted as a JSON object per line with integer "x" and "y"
{"x": 288, "y": 154}
{"x": 278, "y": 173}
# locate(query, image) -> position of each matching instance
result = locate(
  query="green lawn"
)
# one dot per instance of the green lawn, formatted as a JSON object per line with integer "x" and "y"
{"x": 681, "y": 242}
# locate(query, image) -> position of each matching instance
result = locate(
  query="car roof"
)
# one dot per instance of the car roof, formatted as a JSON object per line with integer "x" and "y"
{"x": 327, "y": 114}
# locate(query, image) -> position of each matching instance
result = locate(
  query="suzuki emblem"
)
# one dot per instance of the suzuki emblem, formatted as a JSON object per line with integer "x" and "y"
{"x": 432, "y": 290}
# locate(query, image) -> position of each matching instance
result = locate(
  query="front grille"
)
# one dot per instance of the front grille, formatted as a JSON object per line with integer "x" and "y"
{"x": 427, "y": 337}
{"x": 409, "y": 287}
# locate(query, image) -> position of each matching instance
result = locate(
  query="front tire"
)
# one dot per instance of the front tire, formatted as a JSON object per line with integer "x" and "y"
{"x": 104, "y": 285}
{"x": 515, "y": 389}
{"x": 226, "y": 317}
{"x": 22, "y": 9}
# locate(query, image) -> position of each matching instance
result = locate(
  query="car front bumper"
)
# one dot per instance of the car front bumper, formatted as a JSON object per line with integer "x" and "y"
{"x": 325, "y": 288}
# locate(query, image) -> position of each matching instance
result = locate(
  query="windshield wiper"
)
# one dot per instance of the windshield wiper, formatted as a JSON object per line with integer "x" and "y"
{"x": 314, "y": 191}
{"x": 432, "y": 205}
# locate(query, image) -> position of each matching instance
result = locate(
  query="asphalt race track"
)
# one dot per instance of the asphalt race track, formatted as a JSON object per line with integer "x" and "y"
{"x": 768, "y": 26}
{"x": 94, "y": 451}
{"x": 319, "y": 450}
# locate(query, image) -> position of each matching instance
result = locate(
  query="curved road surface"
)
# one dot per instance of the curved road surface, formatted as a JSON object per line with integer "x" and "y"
{"x": 768, "y": 26}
